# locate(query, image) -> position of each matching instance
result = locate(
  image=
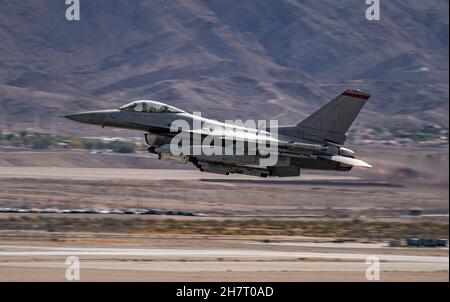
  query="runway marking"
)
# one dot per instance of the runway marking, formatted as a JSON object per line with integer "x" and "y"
{"x": 192, "y": 266}
{"x": 141, "y": 174}
{"x": 23, "y": 251}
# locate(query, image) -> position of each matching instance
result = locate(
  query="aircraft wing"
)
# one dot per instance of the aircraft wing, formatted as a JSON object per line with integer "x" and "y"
{"x": 290, "y": 147}
{"x": 298, "y": 149}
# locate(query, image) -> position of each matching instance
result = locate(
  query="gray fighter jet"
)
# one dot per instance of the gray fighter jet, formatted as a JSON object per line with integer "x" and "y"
{"x": 314, "y": 143}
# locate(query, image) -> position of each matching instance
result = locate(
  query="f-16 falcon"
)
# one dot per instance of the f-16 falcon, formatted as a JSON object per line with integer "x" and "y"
{"x": 314, "y": 143}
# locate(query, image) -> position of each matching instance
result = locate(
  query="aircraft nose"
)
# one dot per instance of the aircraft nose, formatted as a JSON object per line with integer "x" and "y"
{"x": 78, "y": 117}
{"x": 87, "y": 117}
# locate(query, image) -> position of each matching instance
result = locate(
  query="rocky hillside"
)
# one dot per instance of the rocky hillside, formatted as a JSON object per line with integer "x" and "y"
{"x": 226, "y": 58}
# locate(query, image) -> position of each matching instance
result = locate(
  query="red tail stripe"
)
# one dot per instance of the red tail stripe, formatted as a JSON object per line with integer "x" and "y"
{"x": 356, "y": 95}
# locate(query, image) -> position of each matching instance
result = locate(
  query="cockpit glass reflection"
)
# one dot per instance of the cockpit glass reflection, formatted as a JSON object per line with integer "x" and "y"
{"x": 149, "y": 107}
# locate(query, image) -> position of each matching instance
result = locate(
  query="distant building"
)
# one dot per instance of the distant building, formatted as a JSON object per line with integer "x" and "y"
{"x": 416, "y": 211}
{"x": 426, "y": 242}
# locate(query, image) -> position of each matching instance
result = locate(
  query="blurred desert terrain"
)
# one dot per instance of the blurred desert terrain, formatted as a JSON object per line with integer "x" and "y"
{"x": 317, "y": 227}
{"x": 95, "y": 193}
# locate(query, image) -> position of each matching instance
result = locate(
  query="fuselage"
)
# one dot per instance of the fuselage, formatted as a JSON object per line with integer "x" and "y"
{"x": 162, "y": 123}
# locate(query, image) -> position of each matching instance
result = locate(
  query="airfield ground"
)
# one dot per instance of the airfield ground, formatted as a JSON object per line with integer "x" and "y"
{"x": 319, "y": 227}
{"x": 37, "y": 256}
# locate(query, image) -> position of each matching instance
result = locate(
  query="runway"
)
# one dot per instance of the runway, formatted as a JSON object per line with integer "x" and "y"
{"x": 211, "y": 260}
{"x": 67, "y": 188}
{"x": 202, "y": 254}
{"x": 65, "y": 173}
{"x": 251, "y": 266}
{"x": 314, "y": 245}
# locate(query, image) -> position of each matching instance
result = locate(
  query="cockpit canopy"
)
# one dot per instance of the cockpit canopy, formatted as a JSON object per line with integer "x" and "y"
{"x": 149, "y": 106}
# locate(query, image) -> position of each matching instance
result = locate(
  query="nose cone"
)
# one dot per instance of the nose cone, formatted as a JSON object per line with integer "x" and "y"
{"x": 80, "y": 117}
{"x": 92, "y": 117}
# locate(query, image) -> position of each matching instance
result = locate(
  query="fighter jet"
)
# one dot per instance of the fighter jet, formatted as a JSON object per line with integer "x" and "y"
{"x": 315, "y": 143}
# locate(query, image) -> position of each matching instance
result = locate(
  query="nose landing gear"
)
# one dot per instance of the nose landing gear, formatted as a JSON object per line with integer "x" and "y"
{"x": 151, "y": 149}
